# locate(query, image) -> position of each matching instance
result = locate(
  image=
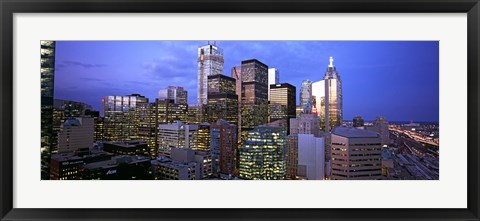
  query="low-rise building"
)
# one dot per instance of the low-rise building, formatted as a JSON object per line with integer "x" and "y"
{"x": 133, "y": 147}
{"x": 184, "y": 164}
{"x": 121, "y": 167}
{"x": 356, "y": 154}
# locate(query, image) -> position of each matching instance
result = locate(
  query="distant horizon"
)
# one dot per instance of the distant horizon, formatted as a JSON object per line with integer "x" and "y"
{"x": 398, "y": 80}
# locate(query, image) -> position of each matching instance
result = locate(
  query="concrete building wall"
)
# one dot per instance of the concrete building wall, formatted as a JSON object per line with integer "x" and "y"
{"x": 311, "y": 156}
{"x": 356, "y": 155}
{"x": 76, "y": 135}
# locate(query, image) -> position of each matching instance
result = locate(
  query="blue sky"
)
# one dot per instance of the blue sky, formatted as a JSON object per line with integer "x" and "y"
{"x": 395, "y": 79}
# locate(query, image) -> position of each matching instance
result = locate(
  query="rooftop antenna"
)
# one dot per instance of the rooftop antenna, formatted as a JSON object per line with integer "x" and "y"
{"x": 331, "y": 62}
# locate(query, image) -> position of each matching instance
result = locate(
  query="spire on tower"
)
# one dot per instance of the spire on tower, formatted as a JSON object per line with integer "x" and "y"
{"x": 331, "y": 62}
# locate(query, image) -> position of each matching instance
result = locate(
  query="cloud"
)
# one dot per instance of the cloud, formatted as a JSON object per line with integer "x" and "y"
{"x": 67, "y": 63}
{"x": 178, "y": 64}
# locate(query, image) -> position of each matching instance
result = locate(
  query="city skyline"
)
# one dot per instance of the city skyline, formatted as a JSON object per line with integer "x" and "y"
{"x": 379, "y": 78}
{"x": 247, "y": 126}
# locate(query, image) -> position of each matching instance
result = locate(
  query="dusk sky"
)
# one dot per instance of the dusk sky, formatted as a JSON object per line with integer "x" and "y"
{"x": 395, "y": 79}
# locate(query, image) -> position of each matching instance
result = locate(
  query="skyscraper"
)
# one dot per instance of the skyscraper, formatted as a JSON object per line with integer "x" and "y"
{"x": 202, "y": 142}
{"x": 176, "y": 135}
{"x": 162, "y": 111}
{"x": 147, "y": 130}
{"x": 122, "y": 116}
{"x": 318, "y": 101}
{"x": 254, "y": 108}
{"x": 222, "y": 100}
{"x": 306, "y": 93}
{"x": 47, "y": 74}
{"x": 291, "y": 157}
{"x": 237, "y": 75}
{"x": 194, "y": 114}
{"x": 282, "y": 102}
{"x": 262, "y": 156}
{"x": 333, "y": 97}
{"x": 356, "y": 154}
{"x": 273, "y": 78}
{"x": 223, "y": 144}
{"x": 170, "y": 112}
{"x": 210, "y": 62}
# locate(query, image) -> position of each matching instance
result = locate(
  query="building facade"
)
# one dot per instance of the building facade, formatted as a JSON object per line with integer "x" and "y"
{"x": 64, "y": 110}
{"x": 237, "y": 75}
{"x": 223, "y": 144}
{"x": 356, "y": 154}
{"x": 202, "y": 142}
{"x": 380, "y": 125}
{"x": 305, "y": 93}
{"x": 176, "y": 93}
{"x": 307, "y": 123}
{"x": 306, "y": 147}
{"x": 195, "y": 114}
{"x": 254, "y": 107}
{"x": 176, "y": 135}
{"x": 311, "y": 157}
{"x": 47, "y": 76}
{"x": 168, "y": 111}
{"x": 97, "y": 124}
{"x": 76, "y": 134}
{"x": 291, "y": 157}
{"x": 132, "y": 147}
{"x": 262, "y": 156}
{"x": 282, "y": 102}
{"x": 222, "y": 100}
{"x": 184, "y": 164}
{"x": 273, "y": 78}
{"x": 122, "y": 167}
{"x": 121, "y": 114}
{"x": 69, "y": 166}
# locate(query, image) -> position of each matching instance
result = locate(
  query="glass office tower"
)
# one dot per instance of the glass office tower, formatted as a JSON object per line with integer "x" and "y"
{"x": 222, "y": 100}
{"x": 305, "y": 93}
{"x": 254, "y": 108}
{"x": 47, "y": 74}
{"x": 122, "y": 116}
{"x": 262, "y": 156}
{"x": 333, "y": 98}
{"x": 210, "y": 62}
{"x": 283, "y": 101}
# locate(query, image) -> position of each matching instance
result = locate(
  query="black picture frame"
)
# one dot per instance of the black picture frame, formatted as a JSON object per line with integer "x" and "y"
{"x": 9, "y": 7}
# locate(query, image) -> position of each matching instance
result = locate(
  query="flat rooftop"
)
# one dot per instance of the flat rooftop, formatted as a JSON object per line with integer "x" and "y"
{"x": 352, "y": 132}
{"x": 132, "y": 143}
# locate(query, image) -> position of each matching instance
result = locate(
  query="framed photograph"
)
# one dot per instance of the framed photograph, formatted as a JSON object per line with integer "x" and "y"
{"x": 272, "y": 109}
